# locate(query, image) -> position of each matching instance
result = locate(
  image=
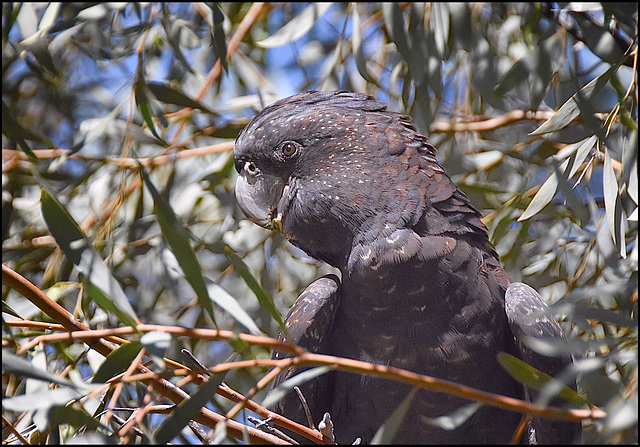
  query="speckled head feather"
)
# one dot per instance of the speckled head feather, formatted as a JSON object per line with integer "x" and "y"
{"x": 333, "y": 154}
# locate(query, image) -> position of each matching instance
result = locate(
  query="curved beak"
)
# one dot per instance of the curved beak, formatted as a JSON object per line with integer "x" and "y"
{"x": 258, "y": 197}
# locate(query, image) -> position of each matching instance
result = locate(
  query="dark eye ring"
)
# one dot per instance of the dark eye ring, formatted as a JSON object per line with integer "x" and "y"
{"x": 289, "y": 148}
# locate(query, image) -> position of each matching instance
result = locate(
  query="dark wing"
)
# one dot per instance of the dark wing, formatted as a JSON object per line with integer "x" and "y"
{"x": 528, "y": 318}
{"x": 309, "y": 321}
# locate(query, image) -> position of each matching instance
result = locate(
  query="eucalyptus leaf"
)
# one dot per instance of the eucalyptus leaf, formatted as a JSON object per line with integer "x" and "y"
{"x": 386, "y": 432}
{"x": 177, "y": 238}
{"x": 570, "y": 109}
{"x": 17, "y": 365}
{"x": 117, "y": 362}
{"x": 77, "y": 248}
{"x": 265, "y": 299}
{"x": 296, "y": 27}
{"x": 43, "y": 400}
{"x": 533, "y": 378}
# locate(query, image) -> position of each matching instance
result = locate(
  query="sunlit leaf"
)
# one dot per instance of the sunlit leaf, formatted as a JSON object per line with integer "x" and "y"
{"x": 296, "y": 27}
{"x": 43, "y": 400}
{"x": 17, "y": 365}
{"x": 570, "y": 110}
{"x": 440, "y": 23}
{"x": 117, "y": 362}
{"x": 612, "y": 204}
{"x": 544, "y": 195}
{"x": 229, "y": 304}
{"x": 77, "y": 248}
{"x": 156, "y": 345}
{"x": 581, "y": 154}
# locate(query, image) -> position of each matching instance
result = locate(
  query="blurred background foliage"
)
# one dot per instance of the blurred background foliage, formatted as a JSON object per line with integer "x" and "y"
{"x": 118, "y": 121}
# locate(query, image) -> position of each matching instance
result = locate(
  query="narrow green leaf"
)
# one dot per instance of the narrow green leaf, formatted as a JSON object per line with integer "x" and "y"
{"x": 420, "y": 57}
{"x": 170, "y": 95}
{"x": 15, "y": 132}
{"x": 77, "y": 248}
{"x": 396, "y": 29}
{"x": 117, "y": 362}
{"x": 104, "y": 301}
{"x": 265, "y": 300}
{"x": 388, "y": 430}
{"x": 515, "y": 76}
{"x": 40, "y": 49}
{"x": 570, "y": 110}
{"x": 544, "y": 195}
{"x": 612, "y": 204}
{"x": 177, "y": 238}
{"x": 296, "y": 27}
{"x": 219, "y": 37}
{"x": 533, "y": 378}
{"x": 143, "y": 102}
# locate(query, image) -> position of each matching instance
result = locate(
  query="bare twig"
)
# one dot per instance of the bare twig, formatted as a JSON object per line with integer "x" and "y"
{"x": 123, "y": 162}
{"x": 264, "y": 425}
{"x": 305, "y": 406}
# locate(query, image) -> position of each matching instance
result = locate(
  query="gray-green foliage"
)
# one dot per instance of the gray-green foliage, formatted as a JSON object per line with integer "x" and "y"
{"x": 121, "y": 86}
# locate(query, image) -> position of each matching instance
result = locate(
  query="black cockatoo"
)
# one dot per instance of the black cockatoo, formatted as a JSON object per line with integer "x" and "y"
{"x": 356, "y": 186}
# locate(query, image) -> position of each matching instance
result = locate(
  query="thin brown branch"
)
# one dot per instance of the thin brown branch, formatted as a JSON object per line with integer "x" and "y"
{"x": 178, "y": 331}
{"x": 305, "y": 358}
{"x": 7, "y": 423}
{"x": 427, "y": 382}
{"x": 124, "y": 162}
{"x": 35, "y": 324}
{"x": 160, "y": 385}
{"x": 484, "y": 125}
{"x": 491, "y": 123}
